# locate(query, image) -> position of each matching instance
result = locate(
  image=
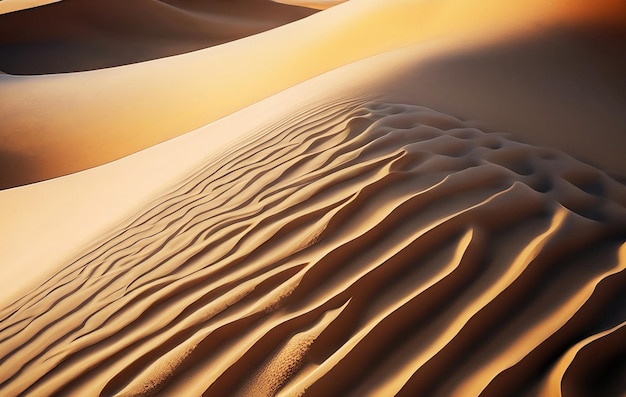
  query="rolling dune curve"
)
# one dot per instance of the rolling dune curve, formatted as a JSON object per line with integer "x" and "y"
{"x": 83, "y": 35}
{"x": 356, "y": 248}
{"x": 57, "y": 124}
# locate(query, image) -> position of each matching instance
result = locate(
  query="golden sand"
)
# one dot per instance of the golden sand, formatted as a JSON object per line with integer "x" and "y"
{"x": 404, "y": 197}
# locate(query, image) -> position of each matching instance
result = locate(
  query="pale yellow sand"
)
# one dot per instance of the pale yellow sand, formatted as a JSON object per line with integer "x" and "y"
{"x": 359, "y": 233}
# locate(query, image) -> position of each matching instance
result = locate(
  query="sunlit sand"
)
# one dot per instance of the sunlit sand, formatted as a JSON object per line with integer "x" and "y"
{"x": 320, "y": 198}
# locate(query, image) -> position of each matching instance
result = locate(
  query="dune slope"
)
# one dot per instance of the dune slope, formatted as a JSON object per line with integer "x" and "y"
{"x": 354, "y": 248}
{"x": 396, "y": 197}
{"x": 91, "y": 34}
{"x": 117, "y": 111}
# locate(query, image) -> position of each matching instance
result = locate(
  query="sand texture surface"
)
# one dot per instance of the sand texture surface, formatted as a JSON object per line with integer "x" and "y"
{"x": 370, "y": 198}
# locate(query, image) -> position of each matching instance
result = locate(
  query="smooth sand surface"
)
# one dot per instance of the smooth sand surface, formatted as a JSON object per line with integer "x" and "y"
{"x": 89, "y": 34}
{"x": 436, "y": 213}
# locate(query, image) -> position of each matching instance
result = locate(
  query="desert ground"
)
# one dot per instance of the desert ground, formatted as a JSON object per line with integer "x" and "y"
{"x": 320, "y": 198}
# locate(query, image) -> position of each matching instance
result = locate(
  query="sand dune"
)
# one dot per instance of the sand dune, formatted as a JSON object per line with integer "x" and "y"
{"x": 90, "y": 34}
{"x": 385, "y": 198}
{"x": 354, "y": 248}
{"x": 126, "y": 109}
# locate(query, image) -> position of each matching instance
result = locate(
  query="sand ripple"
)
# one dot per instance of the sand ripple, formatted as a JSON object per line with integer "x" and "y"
{"x": 354, "y": 249}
